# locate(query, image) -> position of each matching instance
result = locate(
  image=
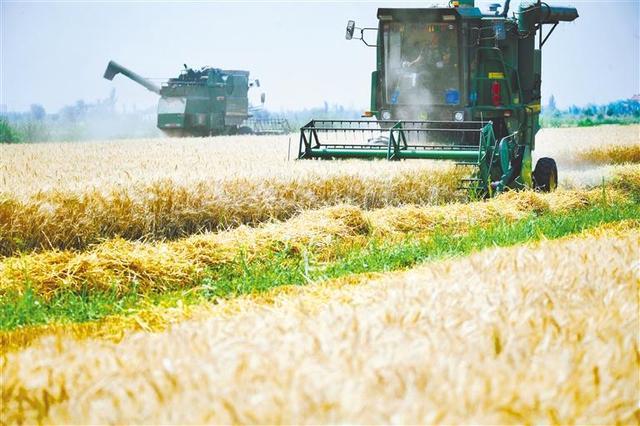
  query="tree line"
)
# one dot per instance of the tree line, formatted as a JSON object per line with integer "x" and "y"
{"x": 100, "y": 120}
{"x": 625, "y": 111}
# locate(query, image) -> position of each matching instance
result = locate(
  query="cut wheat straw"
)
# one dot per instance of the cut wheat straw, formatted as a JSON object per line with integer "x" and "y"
{"x": 520, "y": 335}
{"x": 121, "y": 265}
{"x": 154, "y": 318}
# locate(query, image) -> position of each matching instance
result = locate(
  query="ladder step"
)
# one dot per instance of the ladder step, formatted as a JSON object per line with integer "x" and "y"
{"x": 462, "y": 163}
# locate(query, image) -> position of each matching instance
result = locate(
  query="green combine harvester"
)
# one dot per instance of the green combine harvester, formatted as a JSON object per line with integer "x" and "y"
{"x": 205, "y": 102}
{"x": 452, "y": 84}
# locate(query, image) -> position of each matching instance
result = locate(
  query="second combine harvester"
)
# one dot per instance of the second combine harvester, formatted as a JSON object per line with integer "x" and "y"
{"x": 452, "y": 84}
{"x": 205, "y": 102}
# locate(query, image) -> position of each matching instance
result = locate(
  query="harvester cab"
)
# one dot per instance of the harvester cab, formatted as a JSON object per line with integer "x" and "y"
{"x": 208, "y": 101}
{"x": 451, "y": 84}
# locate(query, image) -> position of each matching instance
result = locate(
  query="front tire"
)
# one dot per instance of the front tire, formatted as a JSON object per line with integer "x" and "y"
{"x": 545, "y": 175}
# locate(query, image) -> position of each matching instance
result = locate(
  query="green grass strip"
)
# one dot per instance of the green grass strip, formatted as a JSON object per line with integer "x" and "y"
{"x": 285, "y": 268}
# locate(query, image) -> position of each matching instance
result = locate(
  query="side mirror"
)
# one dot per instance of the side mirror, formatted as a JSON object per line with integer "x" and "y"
{"x": 351, "y": 26}
{"x": 257, "y": 83}
{"x": 263, "y": 97}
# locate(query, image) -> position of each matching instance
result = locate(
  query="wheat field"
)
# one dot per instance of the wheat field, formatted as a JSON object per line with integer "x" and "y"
{"x": 564, "y": 143}
{"x": 536, "y": 333}
{"x": 166, "y": 210}
{"x": 167, "y": 189}
{"x": 609, "y": 154}
{"x": 73, "y": 195}
{"x": 505, "y": 336}
{"x": 103, "y": 166}
{"x": 574, "y": 148}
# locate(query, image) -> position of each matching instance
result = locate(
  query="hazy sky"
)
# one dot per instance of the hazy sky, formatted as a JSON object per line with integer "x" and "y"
{"x": 55, "y": 52}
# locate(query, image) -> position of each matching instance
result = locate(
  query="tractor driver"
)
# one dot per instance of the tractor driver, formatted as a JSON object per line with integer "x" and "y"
{"x": 429, "y": 52}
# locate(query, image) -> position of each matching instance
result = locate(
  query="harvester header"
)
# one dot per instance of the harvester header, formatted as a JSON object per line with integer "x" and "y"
{"x": 452, "y": 83}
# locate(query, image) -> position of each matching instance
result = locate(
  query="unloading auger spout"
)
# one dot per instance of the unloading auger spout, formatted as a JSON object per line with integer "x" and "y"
{"x": 114, "y": 68}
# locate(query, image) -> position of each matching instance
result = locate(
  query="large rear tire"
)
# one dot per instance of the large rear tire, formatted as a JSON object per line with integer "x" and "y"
{"x": 545, "y": 175}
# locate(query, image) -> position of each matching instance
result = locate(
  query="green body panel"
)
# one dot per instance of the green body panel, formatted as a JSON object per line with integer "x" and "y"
{"x": 434, "y": 65}
{"x": 374, "y": 91}
{"x": 171, "y": 121}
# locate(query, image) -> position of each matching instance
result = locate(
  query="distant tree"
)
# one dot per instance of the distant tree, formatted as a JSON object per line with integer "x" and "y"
{"x": 74, "y": 112}
{"x": 590, "y": 110}
{"x": 574, "y": 110}
{"x": 37, "y": 112}
{"x": 552, "y": 104}
{"x": 7, "y": 133}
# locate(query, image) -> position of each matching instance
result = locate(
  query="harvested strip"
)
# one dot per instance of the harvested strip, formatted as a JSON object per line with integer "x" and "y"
{"x": 120, "y": 265}
{"x": 167, "y": 210}
{"x": 519, "y": 335}
{"x": 154, "y": 318}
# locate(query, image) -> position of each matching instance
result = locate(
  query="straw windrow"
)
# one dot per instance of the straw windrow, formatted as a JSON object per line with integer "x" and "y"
{"x": 120, "y": 265}
{"x": 153, "y": 318}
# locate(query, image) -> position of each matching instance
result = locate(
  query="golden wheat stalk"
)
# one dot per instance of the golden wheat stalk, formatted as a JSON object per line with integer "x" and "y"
{"x": 611, "y": 154}
{"x": 505, "y": 336}
{"x": 27, "y": 169}
{"x": 166, "y": 210}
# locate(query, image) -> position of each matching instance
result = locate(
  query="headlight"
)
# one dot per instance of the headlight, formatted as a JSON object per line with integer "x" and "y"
{"x": 458, "y": 116}
{"x": 386, "y": 115}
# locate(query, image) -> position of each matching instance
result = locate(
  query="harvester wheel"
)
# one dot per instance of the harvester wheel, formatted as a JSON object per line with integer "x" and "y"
{"x": 175, "y": 133}
{"x": 545, "y": 175}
